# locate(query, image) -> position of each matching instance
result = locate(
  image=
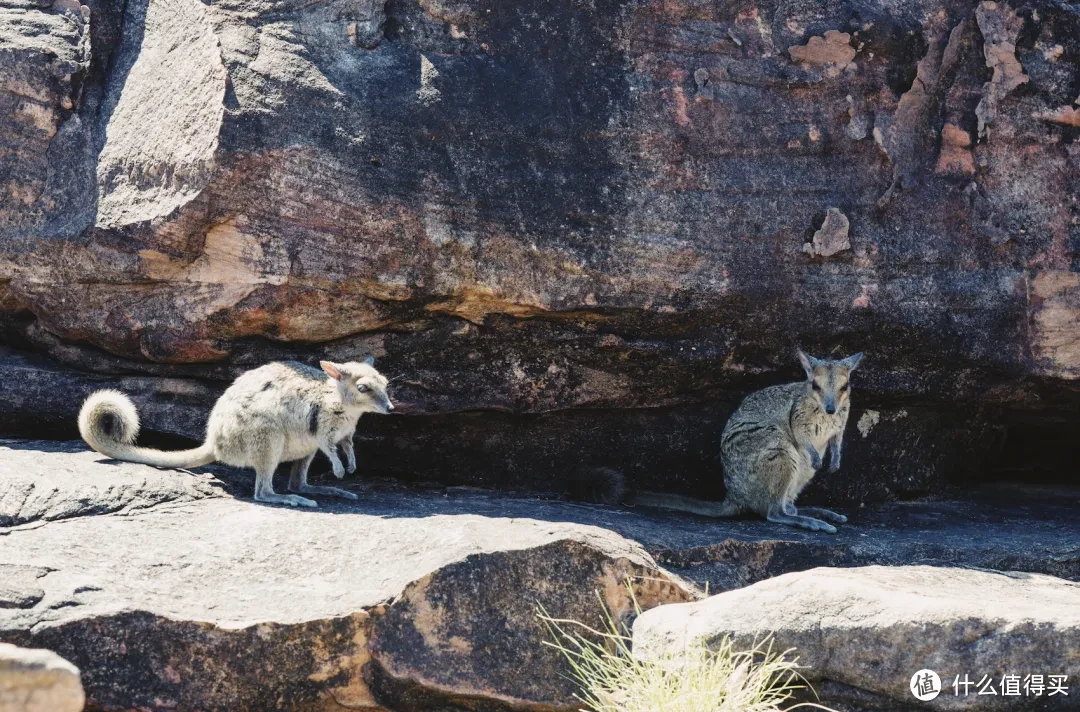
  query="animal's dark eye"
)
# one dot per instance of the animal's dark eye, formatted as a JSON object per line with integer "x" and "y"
{"x": 816, "y": 386}
{"x": 845, "y": 386}
{"x": 362, "y": 388}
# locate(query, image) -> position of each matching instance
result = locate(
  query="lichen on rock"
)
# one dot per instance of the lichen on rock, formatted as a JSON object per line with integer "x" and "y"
{"x": 831, "y": 237}
{"x": 1000, "y": 26}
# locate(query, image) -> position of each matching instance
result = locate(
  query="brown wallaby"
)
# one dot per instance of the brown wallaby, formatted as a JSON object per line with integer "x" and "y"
{"x": 771, "y": 447}
{"x": 276, "y": 413}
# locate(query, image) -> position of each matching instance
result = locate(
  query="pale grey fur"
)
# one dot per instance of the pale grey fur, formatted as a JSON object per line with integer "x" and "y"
{"x": 276, "y": 413}
{"x": 771, "y": 447}
{"x": 775, "y": 442}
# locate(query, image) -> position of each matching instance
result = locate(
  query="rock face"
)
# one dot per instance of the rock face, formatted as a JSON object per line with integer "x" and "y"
{"x": 174, "y": 590}
{"x": 864, "y": 632}
{"x": 528, "y": 210}
{"x": 38, "y": 681}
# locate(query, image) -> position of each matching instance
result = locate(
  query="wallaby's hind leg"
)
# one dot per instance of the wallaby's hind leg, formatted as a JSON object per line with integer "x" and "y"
{"x": 264, "y": 487}
{"x": 780, "y": 516}
{"x": 826, "y": 514}
{"x": 298, "y": 481}
{"x": 298, "y": 472}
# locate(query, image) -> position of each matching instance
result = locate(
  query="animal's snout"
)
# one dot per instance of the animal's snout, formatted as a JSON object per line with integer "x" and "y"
{"x": 389, "y": 406}
{"x": 830, "y": 408}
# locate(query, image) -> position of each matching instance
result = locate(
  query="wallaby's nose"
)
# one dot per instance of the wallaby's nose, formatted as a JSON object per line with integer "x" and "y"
{"x": 389, "y": 407}
{"x": 830, "y": 409}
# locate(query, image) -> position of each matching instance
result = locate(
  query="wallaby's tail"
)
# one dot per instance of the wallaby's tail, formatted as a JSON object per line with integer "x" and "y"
{"x": 598, "y": 485}
{"x": 109, "y": 423}
{"x": 603, "y": 485}
{"x": 685, "y": 504}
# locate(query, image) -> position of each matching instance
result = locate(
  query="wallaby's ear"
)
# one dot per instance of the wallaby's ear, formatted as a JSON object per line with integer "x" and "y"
{"x": 852, "y": 361}
{"x": 370, "y": 360}
{"x": 807, "y": 363}
{"x": 332, "y": 369}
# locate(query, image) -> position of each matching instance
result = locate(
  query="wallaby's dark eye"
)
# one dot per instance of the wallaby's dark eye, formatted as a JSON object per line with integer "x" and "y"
{"x": 362, "y": 388}
{"x": 845, "y": 387}
{"x": 816, "y": 386}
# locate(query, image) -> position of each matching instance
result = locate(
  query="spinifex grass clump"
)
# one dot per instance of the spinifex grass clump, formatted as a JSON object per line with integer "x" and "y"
{"x": 695, "y": 679}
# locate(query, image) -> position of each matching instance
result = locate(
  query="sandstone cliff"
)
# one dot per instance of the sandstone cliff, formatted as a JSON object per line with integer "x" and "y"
{"x": 565, "y": 227}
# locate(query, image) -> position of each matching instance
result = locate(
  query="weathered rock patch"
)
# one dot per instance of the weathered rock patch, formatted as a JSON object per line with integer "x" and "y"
{"x": 38, "y": 681}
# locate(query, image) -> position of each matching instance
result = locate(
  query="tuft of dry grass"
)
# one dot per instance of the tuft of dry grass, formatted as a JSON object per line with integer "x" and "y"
{"x": 695, "y": 679}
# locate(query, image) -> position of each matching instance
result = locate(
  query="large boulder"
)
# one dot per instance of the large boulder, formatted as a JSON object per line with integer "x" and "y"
{"x": 175, "y": 589}
{"x": 168, "y": 593}
{"x": 863, "y": 633}
{"x": 534, "y": 210}
{"x": 38, "y": 681}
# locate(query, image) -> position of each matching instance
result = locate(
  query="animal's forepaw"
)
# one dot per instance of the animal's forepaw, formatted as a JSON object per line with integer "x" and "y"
{"x": 339, "y": 471}
{"x": 833, "y": 467}
{"x": 351, "y": 468}
{"x": 815, "y": 460}
{"x": 827, "y": 528}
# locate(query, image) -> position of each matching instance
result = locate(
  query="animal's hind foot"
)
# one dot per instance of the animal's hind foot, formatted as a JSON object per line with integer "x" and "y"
{"x": 797, "y": 520}
{"x": 327, "y": 491}
{"x": 293, "y": 500}
{"x": 826, "y": 514}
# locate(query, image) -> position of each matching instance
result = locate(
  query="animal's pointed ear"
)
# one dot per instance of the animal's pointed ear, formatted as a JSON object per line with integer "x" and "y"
{"x": 370, "y": 360}
{"x": 852, "y": 361}
{"x": 331, "y": 369}
{"x": 807, "y": 362}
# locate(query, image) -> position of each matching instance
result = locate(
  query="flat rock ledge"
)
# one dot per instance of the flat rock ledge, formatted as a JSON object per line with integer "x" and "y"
{"x": 862, "y": 633}
{"x": 38, "y": 681}
{"x": 175, "y": 591}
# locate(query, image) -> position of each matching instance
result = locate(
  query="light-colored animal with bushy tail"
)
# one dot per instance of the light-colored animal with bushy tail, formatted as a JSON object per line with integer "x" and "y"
{"x": 276, "y": 413}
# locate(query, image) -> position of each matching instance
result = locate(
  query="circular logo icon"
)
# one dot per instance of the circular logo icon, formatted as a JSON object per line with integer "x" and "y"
{"x": 925, "y": 685}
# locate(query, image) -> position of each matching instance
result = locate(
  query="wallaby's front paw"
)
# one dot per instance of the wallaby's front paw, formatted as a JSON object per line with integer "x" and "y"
{"x": 827, "y": 528}
{"x": 339, "y": 471}
{"x": 350, "y": 468}
{"x": 815, "y": 460}
{"x": 833, "y": 467}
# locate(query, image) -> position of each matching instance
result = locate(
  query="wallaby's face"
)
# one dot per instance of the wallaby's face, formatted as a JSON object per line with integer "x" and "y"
{"x": 829, "y": 380}
{"x": 360, "y": 385}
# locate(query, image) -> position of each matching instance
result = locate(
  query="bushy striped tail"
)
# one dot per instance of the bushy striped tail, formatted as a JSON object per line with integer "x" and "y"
{"x": 109, "y": 423}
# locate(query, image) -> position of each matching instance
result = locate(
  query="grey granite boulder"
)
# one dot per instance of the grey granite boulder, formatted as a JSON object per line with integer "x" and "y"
{"x": 170, "y": 594}
{"x": 862, "y": 633}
